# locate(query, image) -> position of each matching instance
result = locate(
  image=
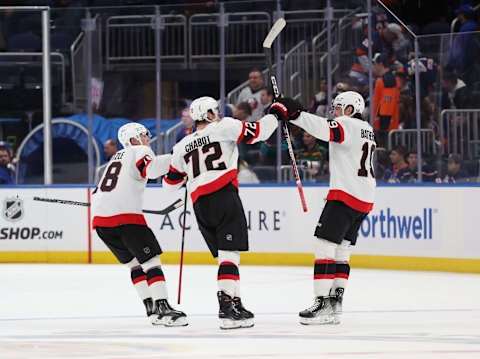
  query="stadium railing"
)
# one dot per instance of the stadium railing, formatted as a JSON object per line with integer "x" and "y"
{"x": 461, "y": 131}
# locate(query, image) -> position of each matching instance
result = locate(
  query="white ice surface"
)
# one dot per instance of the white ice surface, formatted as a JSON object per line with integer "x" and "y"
{"x": 92, "y": 311}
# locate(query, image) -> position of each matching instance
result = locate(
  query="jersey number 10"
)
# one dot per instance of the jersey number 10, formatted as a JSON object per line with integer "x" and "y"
{"x": 367, "y": 150}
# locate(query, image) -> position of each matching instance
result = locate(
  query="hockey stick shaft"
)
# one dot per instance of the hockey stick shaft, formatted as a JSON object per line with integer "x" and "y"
{"x": 178, "y": 203}
{"x": 267, "y": 44}
{"x": 183, "y": 244}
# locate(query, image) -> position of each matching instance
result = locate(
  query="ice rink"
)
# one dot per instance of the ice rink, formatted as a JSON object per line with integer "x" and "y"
{"x": 92, "y": 311}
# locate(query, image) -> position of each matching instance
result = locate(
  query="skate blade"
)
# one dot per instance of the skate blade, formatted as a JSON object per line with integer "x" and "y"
{"x": 230, "y": 324}
{"x": 168, "y": 321}
{"x": 321, "y": 320}
{"x": 336, "y": 319}
{"x": 248, "y": 323}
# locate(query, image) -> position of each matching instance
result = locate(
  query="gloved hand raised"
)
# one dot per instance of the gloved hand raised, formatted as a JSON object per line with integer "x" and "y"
{"x": 286, "y": 109}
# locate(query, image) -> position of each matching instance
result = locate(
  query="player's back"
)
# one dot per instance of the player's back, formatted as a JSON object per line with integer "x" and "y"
{"x": 351, "y": 172}
{"x": 209, "y": 157}
{"x": 120, "y": 190}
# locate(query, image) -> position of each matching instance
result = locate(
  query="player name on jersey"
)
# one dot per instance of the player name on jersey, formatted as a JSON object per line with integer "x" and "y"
{"x": 198, "y": 142}
{"x": 368, "y": 135}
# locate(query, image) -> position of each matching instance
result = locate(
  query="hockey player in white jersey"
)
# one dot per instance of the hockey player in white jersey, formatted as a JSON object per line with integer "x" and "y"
{"x": 349, "y": 200}
{"x": 208, "y": 158}
{"x": 119, "y": 222}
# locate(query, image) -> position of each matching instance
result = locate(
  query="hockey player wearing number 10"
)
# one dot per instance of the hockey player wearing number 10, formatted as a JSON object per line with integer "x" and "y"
{"x": 208, "y": 157}
{"x": 349, "y": 200}
{"x": 119, "y": 222}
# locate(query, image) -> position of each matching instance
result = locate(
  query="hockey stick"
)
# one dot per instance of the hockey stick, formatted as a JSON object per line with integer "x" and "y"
{"x": 166, "y": 210}
{"x": 267, "y": 48}
{"x": 183, "y": 243}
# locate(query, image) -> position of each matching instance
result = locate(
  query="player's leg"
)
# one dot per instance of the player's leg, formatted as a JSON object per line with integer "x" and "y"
{"x": 342, "y": 272}
{"x": 142, "y": 243}
{"x": 111, "y": 236}
{"x": 232, "y": 237}
{"x": 342, "y": 263}
{"x": 330, "y": 231}
{"x": 139, "y": 281}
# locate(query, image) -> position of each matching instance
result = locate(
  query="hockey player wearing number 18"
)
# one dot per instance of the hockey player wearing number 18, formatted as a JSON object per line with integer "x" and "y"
{"x": 119, "y": 222}
{"x": 349, "y": 200}
{"x": 208, "y": 157}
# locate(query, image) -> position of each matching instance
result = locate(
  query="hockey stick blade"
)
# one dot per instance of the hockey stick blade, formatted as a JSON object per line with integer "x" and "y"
{"x": 178, "y": 203}
{"x": 274, "y": 31}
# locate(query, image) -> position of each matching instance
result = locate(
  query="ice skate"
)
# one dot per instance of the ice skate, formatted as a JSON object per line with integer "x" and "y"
{"x": 336, "y": 302}
{"x": 247, "y": 315}
{"x": 148, "y": 302}
{"x": 230, "y": 317}
{"x": 167, "y": 316}
{"x": 319, "y": 313}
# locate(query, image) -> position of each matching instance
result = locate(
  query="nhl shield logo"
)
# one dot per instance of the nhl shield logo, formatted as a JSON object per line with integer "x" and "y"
{"x": 13, "y": 209}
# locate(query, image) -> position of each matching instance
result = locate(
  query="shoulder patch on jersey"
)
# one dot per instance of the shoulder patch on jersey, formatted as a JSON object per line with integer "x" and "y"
{"x": 250, "y": 131}
{"x": 337, "y": 133}
{"x": 142, "y": 165}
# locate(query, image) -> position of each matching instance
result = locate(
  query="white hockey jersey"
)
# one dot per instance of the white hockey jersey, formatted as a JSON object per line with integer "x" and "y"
{"x": 209, "y": 156}
{"x": 352, "y": 144}
{"x": 118, "y": 197}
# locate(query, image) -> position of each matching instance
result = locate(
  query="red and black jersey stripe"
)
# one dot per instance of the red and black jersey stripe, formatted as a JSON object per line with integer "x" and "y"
{"x": 228, "y": 270}
{"x": 142, "y": 165}
{"x": 336, "y": 132}
{"x": 324, "y": 269}
{"x": 250, "y": 131}
{"x": 342, "y": 270}
{"x": 155, "y": 274}
{"x": 174, "y": 176}
{"x": 138, "y": 275}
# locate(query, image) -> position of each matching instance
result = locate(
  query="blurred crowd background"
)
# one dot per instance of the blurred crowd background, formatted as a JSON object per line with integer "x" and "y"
{"x": 123, "y": 87}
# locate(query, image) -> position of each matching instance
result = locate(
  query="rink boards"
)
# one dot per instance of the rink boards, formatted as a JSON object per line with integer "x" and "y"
{"x": 410, "y": 227}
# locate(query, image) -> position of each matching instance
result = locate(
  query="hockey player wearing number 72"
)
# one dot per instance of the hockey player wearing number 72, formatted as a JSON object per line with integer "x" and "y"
{"x": 209, "y": 157}
{"x": 349, "y": 200}
{"x": 119, "y": 222}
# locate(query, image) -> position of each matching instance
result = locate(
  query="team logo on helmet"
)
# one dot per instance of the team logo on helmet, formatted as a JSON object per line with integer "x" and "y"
{"x": 12, "y": 209}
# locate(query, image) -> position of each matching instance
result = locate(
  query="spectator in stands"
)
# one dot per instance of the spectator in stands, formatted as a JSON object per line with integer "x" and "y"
{"x": 241, "y": 112}
{"x": 319, "y": 105}
{"x": 251, "y": 94}
{"x": 6, "y": 169}
{"x": 455, "y": 92}
{"x": 459, "y": 50}
{"x": 382, "y": 42}
{"x": 69, "y": 18}
{"x": 188, "y": 124}
{"x": 428, "y": 71}
{"x": 313, "y": 156}
{"x": 266, "y": 98}
{"x": 399, "y": 166}
{"x": 385, "y": 99}
{"x": 110, "y": 147}
{"x": 429, "y": 174}
{"x": 455, "y": 172}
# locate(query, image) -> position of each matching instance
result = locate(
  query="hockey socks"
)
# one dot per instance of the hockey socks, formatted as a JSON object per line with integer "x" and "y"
{"x": 325, "y": 268}
{"x": 228, "y": 278}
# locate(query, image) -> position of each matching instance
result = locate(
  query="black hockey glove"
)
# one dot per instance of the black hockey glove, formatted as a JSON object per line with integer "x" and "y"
{"x": 286, "y": 109}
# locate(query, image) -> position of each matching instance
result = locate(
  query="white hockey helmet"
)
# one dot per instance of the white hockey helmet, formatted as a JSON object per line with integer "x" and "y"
{"x": 131, "y": 130}
{"x": 201, "y": 106}
{"x": 350, "y": 98}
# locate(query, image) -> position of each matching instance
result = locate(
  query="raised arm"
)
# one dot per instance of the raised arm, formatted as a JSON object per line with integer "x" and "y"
{"x": 248, "y": 132}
